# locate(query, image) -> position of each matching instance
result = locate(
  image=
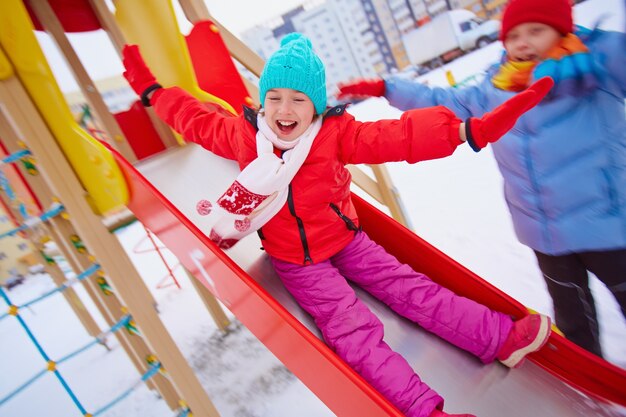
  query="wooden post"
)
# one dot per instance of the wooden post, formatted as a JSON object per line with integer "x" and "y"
{"x": 196, "y": 11}
{"x": 211, "y": 303}
{"x": 389, "y": 193}
{"x": 108, "y": 24}
{"x": 381, "y": 190}
{"x": 104, "y": 246}
{"x": 107, "y": 21}
{"x": 53, "y": 26}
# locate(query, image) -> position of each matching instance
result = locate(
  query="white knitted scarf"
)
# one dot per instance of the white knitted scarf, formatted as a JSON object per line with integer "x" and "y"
{"x": 261, "y": 188}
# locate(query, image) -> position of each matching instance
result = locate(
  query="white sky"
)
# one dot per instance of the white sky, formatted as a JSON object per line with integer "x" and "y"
{"x": 101, "y": 61}
{"x": 228, "y": 13}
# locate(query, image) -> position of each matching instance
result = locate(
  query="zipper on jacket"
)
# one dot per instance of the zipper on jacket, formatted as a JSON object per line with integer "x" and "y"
{"x": 349, "y": 223}
{"x": 305, "y": 244}
{"x": 260, "y": 233}
{"x": 292, "y": 210}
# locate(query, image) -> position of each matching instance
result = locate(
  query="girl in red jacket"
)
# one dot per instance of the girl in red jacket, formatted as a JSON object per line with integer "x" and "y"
{"x": 294, "y": 189}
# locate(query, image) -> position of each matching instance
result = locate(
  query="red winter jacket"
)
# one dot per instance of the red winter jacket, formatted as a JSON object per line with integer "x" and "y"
{"x": 319, "y": 218}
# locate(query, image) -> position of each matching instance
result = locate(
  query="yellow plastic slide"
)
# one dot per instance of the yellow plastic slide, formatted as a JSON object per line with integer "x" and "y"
{"x": 152, "y": 25}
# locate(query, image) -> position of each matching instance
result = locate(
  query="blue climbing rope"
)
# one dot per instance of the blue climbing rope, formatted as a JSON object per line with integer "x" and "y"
{"x": 149, "y": 374}
{"x": 154, "y": 368}
{"x": 43, "y": 354}
{"x": 124, "y": 322}
{"x": 67, "y": 284}
{"x": 52, "y": 365}
{"x": 4, "y": 182}
{"x": 184, "y": 412}
{"x": 55, "y": 210}
{"x": 15, "y": 156}
{"x": 96, "y": 340}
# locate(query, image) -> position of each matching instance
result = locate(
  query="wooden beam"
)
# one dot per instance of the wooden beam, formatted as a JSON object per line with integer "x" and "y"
{"x": 210, "y": 302}
{"x": 108, "y": 23}
{"x": 196, "y": 10}
{"x": 390, "y": 195}
{"x": 367, "y": 184}
{"x": 53, "y": 26}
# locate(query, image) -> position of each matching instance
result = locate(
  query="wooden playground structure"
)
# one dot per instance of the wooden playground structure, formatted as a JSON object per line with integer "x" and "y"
{"x": 78, "y": 190}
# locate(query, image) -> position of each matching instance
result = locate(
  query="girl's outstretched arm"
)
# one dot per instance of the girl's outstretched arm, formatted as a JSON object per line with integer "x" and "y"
{"x": 206, "y": 124}
{"x": 409, "y": 94}
{"x": 434, "y": 132}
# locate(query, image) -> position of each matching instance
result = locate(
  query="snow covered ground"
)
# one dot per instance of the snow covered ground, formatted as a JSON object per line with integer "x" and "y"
{"x": 242, "y": 378}
{"x": 240, "y": 375}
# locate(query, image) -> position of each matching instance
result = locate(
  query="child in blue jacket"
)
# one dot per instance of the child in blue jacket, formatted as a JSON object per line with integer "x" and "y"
{"x": 564, "y": 163}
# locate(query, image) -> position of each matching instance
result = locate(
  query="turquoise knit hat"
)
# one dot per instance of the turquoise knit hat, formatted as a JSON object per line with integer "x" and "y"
{"x": 295, "y": 66}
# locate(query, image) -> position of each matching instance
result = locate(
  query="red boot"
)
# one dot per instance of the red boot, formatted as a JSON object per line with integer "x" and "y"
{"x": 439, "y": 413}
{"x": 527, "y": 335}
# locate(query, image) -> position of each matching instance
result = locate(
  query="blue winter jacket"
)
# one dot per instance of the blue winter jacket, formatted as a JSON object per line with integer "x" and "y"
{"x": 564, "y": 162}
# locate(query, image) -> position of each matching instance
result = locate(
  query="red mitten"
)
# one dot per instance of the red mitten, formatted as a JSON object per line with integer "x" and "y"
{"x": 495, "y": 124}
{"x": 138, "y": 74}
{"x": 360, "y": 89}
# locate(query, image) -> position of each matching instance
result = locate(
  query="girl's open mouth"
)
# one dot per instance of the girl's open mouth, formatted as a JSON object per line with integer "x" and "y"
{"x": 529, "y": 57}
{"x": 286, "y": 126}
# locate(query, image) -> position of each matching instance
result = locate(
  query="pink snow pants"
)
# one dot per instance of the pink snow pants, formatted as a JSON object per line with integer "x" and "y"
{"x": 356, "y": 334}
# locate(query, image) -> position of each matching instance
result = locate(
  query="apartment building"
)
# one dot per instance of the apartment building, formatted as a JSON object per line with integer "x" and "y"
{"x": 358, "y": 38}
{"x": 16, "y": 253}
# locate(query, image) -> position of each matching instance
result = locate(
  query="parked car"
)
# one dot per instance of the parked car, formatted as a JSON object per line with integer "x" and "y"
{"x": 448, "y": 36}
{"x": 13, "y": 281}
{"x": 36, "y": 269}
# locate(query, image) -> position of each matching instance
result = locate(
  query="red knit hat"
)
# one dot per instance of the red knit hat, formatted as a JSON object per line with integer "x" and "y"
{"x": 555, "y": 13}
